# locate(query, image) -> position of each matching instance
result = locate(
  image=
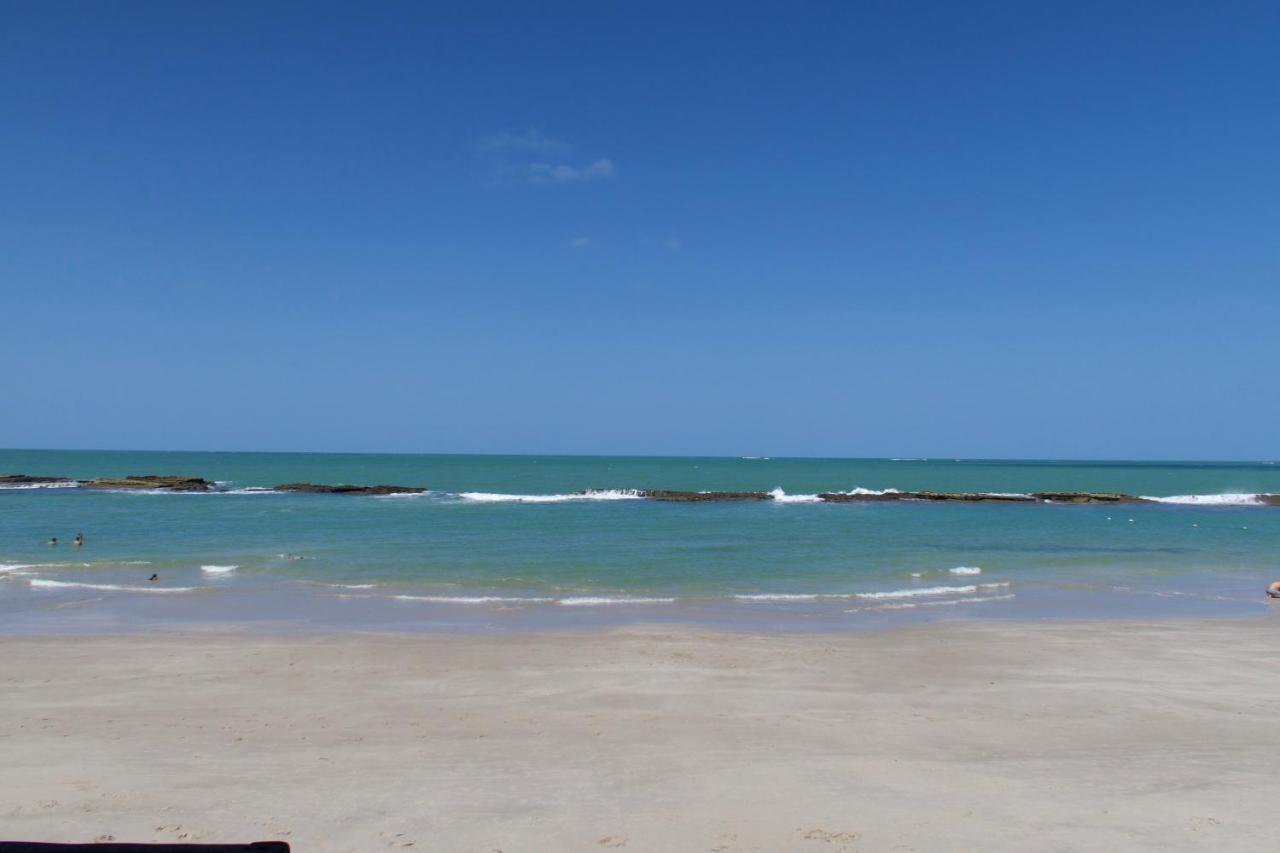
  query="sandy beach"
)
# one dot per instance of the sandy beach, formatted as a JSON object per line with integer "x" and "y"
{"x": 1048, "y": 736}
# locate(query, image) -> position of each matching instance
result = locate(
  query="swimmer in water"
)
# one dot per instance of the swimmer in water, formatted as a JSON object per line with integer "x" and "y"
{"x": 79, "y": 540}
{"x": 53, "y": 540}
{"x": 154, "y": 577}
{"x": 1273, "y": 590}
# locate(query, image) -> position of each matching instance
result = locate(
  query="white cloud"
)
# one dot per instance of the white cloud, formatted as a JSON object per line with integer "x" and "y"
{"x": 546, "y": 173}
{"x": 580, "y": 242}
{"x": 534, "y": 158}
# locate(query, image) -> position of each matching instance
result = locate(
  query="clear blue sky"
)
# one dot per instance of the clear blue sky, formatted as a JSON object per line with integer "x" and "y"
{"x": 857, "y": 229}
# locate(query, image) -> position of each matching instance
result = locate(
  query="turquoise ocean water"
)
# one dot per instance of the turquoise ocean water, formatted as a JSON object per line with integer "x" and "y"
{"x": 500, "y": 542}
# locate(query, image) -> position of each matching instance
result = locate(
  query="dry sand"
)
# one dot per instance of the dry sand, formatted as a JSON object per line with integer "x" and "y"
{"x": 1050, "y": 736}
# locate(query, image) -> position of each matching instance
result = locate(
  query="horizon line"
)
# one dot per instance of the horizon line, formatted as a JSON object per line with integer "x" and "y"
{"x": 762, "y": 457}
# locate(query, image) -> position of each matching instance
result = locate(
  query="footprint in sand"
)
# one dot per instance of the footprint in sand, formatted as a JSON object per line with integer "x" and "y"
{"x": 827, "y": 837}
{"x": 612, "y": 841}
{"x": 396, "y": 839}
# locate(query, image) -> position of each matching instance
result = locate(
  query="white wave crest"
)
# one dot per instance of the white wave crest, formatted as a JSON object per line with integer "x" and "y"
{"x": 354, "y": 585}
{"x": 926, "y": 590}
{"x": 218, "y": 570}
{"x": 473, "y": 599}
{"x": 972, "y": 600}
{"x": 1229, "y": 499}
{"x": 65, "y": 484}
{"x": 782, "y": 497}
{"x": 858, "y": 490}
{"x": 41, "y": 583}
{"x": 588, "y": 601}
{"x": 595, "y": 495}
{"x": 966, "y": 570}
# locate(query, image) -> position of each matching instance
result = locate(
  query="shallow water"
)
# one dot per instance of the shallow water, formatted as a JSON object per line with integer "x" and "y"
{"x": 501, "y": 541}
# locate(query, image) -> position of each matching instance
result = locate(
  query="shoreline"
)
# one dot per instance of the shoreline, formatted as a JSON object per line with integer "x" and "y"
{"x": 992, "y": 736}
{"x": 73, "y": 608}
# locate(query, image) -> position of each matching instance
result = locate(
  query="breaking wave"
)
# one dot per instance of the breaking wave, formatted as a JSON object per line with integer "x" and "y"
{"x": 1229, "y": 499}
{"x": 571, "y": 601}
{"x": 951, "y": 601}
{"x": 593, "y": 495}
{"x": 779, "y": 496}
{"x": 41, "y": 583}
{"x": 589, "y": 601}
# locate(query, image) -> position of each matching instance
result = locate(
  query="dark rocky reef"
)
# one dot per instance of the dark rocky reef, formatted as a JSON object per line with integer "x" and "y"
{"x": 151, "y": 481}
{"x": 1269, "y": 500}
{"x": 981, "y": 497}
{"x": 318, "y": 489}
{"x": 1088, "y": 498}
{"x": 936, "y": 497}
{"x": 697, "y": 497}
{"x": 29, "y": 480}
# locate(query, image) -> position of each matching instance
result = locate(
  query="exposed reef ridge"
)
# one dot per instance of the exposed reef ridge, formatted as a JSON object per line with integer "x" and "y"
{"x": 169, "y": 483}
{"x": 29, "y": 480}
{"x": 318, "y": 489}
{"x": 151, "y": 481}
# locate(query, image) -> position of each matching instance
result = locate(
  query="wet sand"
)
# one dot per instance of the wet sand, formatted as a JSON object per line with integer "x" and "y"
{"x": 1041, "y": 736}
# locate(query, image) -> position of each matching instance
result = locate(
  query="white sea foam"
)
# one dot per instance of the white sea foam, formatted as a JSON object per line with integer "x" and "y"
{"x": 791, "y": 596}
{"x": 473, "y": 599}
{"x": 14, "y": 567}
{"x": 599, "y": 495}
{"x": 66, "y": 484}
{"x": 966, "y": 570}
{"x": 354, "y": 585}
{"x": 218, "y": 570}
{"x": 41, "y": 583}
{"x": 951, "y": 601}
{"x": 925, "y": 590}
{"x": 588, "y": 601}
{"x": 782, "y": 497}
{"x": 1229, "y": 499}
{"x": 859, "y": 490}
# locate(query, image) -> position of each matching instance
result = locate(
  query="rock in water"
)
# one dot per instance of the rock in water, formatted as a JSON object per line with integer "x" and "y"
{"x": 151, "y": 481}
{"x": 319, "y": 489}
{"x": 29, "y": 480}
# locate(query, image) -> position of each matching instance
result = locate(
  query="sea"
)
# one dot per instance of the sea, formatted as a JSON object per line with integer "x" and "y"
{"x": 507, "y": 543}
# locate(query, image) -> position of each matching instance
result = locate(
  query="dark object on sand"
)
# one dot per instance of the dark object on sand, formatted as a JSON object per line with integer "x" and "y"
{"x": 40, "y": 847}
{"x": 154, "y": 577}
{"x": 318, "y": 489}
